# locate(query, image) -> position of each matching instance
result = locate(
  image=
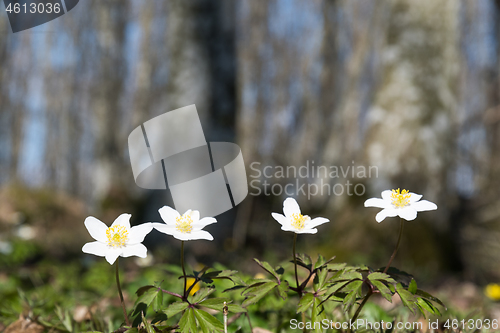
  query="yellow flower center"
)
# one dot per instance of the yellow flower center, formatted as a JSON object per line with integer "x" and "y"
{"x": 183, "y": 223}
{"x": 400, "y": 199}
{"x": 298, "y": 221}
{"x": 117, "y": 236}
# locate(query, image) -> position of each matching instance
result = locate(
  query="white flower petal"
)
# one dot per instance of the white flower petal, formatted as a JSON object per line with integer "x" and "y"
{"x": 288, "y": 228}
{"x": 377, "y": 202}
{"x": 200, "y": 234}
{"x": 112, "y": 254}
{"x": 195, "y": 215}
{"x": 290, "y": 206}
{"x": 96, "y": 228}
{"x": 138, "y": 250}
{"x": 95, "y": 248}
{"x": 386, "y": 195}
{"x": 280, "y": 218}
{"x": 315, "y": 222}
{"x": 124, "y": 220}
{"x": 137, "y": 233}
{"x": 307, "y": 231}
{"x": 408, "y": 213}
{"x": 387, "y": 212}
{"x": 168, "y": 214}
{"x": 164, "y": 228}
{"x": 424, "y": 205}
{"x": 415, "y": 197}
{"x": 204, "y": 222}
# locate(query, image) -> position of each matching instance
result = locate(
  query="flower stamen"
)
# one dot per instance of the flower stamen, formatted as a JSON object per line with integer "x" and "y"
{"x": 117, "y": 236}
{"x": 400, "y": 199}
{"x": 183, "y": 223}
{"x": 298, "y": 221}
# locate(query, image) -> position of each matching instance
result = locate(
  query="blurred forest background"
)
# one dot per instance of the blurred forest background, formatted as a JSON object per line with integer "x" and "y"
{"x": 411, "y": 87}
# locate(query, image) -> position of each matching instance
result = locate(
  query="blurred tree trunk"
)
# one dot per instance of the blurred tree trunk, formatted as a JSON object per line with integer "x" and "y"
{"x": 111, "y": 18}
{"x": 201, "y": 44}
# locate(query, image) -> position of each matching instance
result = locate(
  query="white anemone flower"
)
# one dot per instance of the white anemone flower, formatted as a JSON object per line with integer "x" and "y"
{"x": 118, "y": 240}
{"x": 293, "y": 220}
{"x": 187, "y": 226}
{"x": 404, "y": 204}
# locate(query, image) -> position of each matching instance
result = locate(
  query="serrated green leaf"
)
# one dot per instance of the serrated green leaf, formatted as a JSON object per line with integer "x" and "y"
{"x": 336, "y": 266}
{"x": 265, "y": 265}
{"x": 142, "y": 290}
{"x": 352, "y": 275}
{"x": 254, "y": 294}
{"x": 210, "y": 321}
{"x": 175, "y": 308}
{"x": 353, "y": 285}
{"x": 215, "y": 303}
{"x": 412, "y": 287}
{"x": 283, "y": 288}
{"x": 158, "y": 304}
{"x": 384, "y": 291}
{"x": 235, "y": 308}
{"x": 428, "y": 296}
{"x": 378, "y": 276}
{"x": 305, "y": 302}
{"x": 187, "y": 324}
{"x": 349, "y": 300}
{"x": 148, "y": 296}
{"x": 407, "y": 298}
{"x": 319, "y": 262}
{"x": 320, "y": 279}
{"x": 201, "y": 294}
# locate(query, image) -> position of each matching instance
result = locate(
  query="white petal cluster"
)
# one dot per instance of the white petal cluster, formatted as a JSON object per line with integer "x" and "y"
{"x": 403, "y": 204}
{"x": 294, "y": 221}
{"x": 187, "y": 226}
{"x": 118, "y": 240}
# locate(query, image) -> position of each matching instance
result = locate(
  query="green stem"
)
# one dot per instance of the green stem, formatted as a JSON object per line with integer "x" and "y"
{"x": 183, "y": 269}
{"x": 401, "y": 227}
{"x": 361, "y": 306}
{"x": 370, "y": 292}
{"x": 295, "y": 262}
{"x": 120, "y": 292}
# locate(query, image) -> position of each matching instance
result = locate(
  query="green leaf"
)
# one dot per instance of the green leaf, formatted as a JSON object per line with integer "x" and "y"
{"x": 428, "y": 296}
{"x": 381, "y": 276}
{"x": 255, "y": 293}
{"x": 349, "y": 300}
{"x": 235, "y": 308}
{"x": 210, "y": 321}
{"x": 320, "y": 279}
{"x": 407, "y": 298}
{"x": 305, "y": 302}
{"x": 353, "y": 275}
{"x": 215, "y": 303}
{"x": 353, "y": 285}
{"x": 265, "y": 265}
{"x": 283, "y": 289}
{"x": 427, "y": 305}
{"x": 413, "y": 286}
{"x": 384, "y": 291}
{"x": 188, "y": 322}
{"x": 319, "y": 262}
{"x": 175, "y": 308}
{"x": 201, "y": 294}
{"x": 336, "y": 266}
{"x": 158, "y": 304}
{"x": 148, "y": 296}
{"x": 147, "y": 325}
{"x": 142, "y": 290}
